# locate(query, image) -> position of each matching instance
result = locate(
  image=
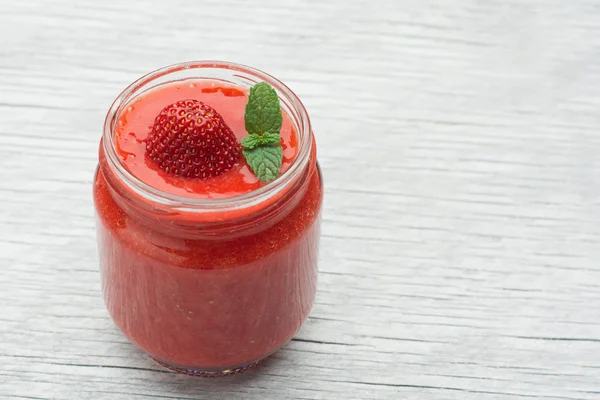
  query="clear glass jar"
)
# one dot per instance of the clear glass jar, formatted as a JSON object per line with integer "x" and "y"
{"x": 209, "y": 286}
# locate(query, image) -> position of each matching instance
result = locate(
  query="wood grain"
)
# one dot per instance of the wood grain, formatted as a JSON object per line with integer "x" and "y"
{"x": 459, "y": 143}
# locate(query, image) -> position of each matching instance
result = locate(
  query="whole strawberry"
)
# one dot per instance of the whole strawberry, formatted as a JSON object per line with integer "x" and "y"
{"x": 190, "y": 139}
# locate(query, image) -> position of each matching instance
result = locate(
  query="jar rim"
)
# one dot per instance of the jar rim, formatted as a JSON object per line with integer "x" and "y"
{"x": 251, "y": 75}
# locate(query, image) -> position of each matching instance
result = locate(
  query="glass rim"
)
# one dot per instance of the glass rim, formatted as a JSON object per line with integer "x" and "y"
{"x": 185, "y": 203}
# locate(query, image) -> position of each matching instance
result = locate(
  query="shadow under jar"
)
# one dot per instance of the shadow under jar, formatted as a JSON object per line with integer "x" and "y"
{"x": 209, "y": 286}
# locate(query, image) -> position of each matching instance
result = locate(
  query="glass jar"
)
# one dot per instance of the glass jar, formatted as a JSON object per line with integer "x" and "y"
{"x": 209, "y": 286}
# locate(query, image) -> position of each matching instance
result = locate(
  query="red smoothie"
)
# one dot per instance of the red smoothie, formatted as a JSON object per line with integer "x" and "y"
{"x": 215, "y": 289}
{"x": 136, "y": 120}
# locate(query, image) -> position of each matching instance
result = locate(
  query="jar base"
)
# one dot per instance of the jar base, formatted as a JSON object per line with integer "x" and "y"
{"x": 208, "y": 374}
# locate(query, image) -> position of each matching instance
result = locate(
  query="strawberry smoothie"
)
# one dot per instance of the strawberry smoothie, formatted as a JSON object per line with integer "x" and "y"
{"x": 205, "y": 267}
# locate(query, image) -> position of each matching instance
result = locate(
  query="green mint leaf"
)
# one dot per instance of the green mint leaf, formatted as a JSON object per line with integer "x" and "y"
{"x": 254, "y": 140}
{"x": 270, "y": 138}
{"x": 263, "y": 112}
{"x": 265, "y": 161}
{"x": 263, "y": 119}
{"x": 251, "y": 141}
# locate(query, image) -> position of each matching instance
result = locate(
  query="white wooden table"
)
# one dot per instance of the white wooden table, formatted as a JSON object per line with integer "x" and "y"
{"x": 460, "y": 144}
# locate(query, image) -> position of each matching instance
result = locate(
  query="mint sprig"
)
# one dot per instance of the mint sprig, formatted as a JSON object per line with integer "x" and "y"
{"x": 262, "y": 147}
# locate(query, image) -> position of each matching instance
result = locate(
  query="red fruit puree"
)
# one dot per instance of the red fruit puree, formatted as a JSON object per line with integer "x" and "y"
{"x": 229, "y": 101}
{"x": 206, "y": 292}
